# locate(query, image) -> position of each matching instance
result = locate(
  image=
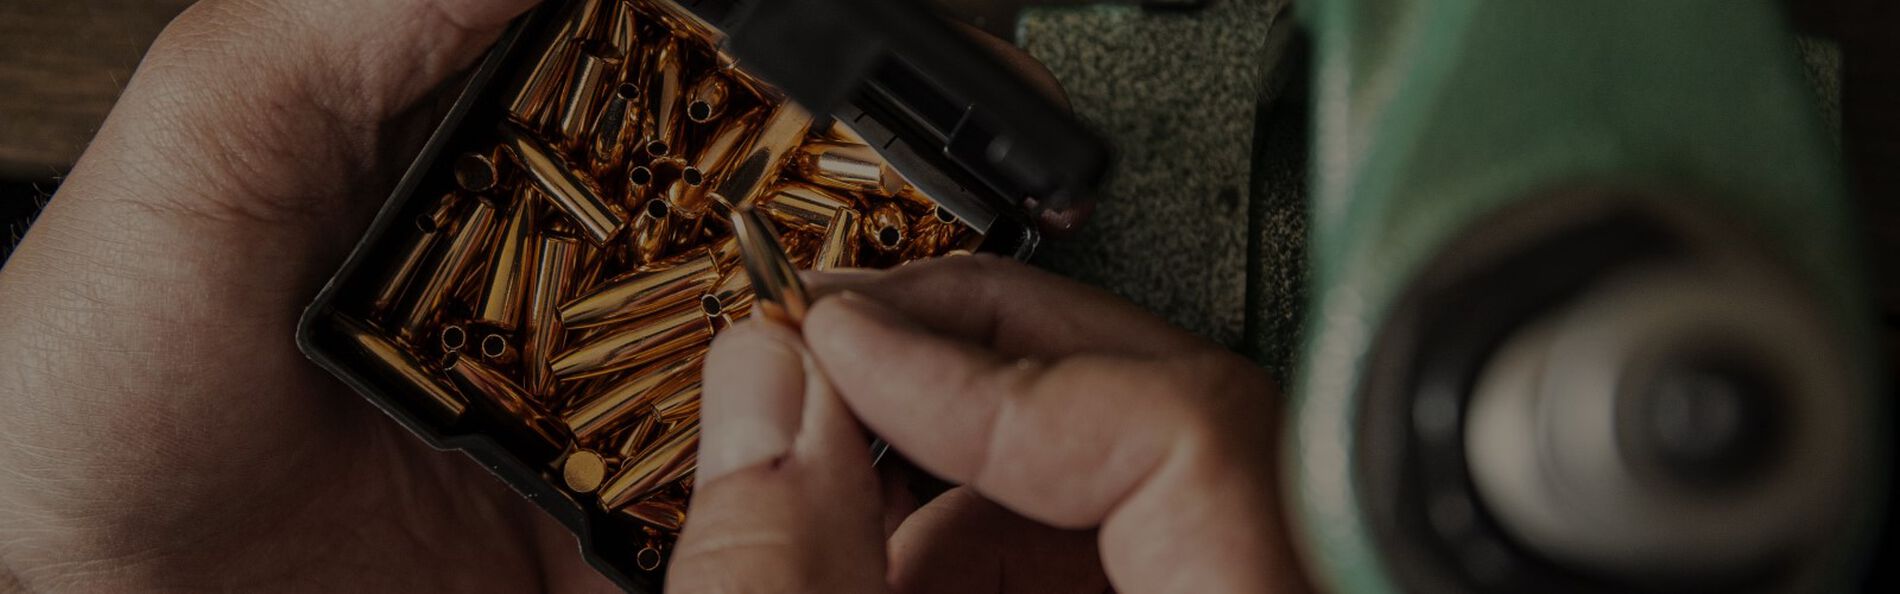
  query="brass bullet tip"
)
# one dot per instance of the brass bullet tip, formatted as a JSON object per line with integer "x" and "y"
{"x": 583, "y": 471}
{"x": 777, "y": 290}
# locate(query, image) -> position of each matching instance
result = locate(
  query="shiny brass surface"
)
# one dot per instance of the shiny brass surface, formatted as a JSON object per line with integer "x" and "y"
{"x": 643, "y": 431}
{"x": 779, "y": 294}
{"x": 651, "y": 232}
{"x": 708, "y": 98}
{"x": 558, "y": 258}
{"x": 583, "y": 471}
{"x": 733, "y": 294}
{"x": 840, "y": 246}
{"x": 408, "y": 259}
{"x": 651, "y": 339}
{"x": 623, "y": 28}
{"x": 455, "y": 262}
{"x": 755, "y": 170}
{"x": 846, "y": 166}
{"x": 672, "y": 458}
{"x": 615, "y": 131}
{"x": 715, "y": 160}
{"x": 888, "y": 228}
{"x": 394, "y": 363}
{"x": 594, "y": 418}
{"x": 803, "y": 207}
{"x": 510, "y": 266}
{"x": 664, "y": 94}
{"x": 576, "y": 196}
{"x": 935, "y": 234}
{"x": 661, "y": 513}
{"x": 474, "y": 377}
{"x": 589, "y": 86}
{"x": 659, "y": 286}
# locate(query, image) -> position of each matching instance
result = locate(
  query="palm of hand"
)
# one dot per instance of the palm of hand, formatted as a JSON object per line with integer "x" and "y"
{"x": 177, "y": 439}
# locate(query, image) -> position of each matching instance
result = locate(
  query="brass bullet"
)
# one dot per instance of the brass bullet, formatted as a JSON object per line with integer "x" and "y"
{"x": 509, "y": 267}
{"x": 651, "y": 232}
{"x": 651, "y": 339}
{"x": 576, "y": 196}
{"x": 840, "y": 247}
{"x": 663, "y": 91}
{"x": 687, "y": 196}
{"x": 589, "y": 87}
{"x": 732, "y": 296}
{"x": 888, "y": 228}
{"x": 614, "y": 130}
{"x": 393, "y": 363}
{"x": 594, "y": 417}
{"x": 453, "y": 338}
{"x": 496, "y": 349}
{"x": 454, "y": 264}
{"x": 558, "y": 259}
{"x": 844, "y": 166}
{"x": 933, "y": 235}
{"x": 534, "y": 96}
{"x": 803, "y": 207}
{"x": 708, "y": 98}
{"x": 623, "y": 28}
{"x": 583, "y": 471}
{"x": 674, "y": 457}
{"x": 716, "y": 159}
{"x": 635, "y": 441}
{"x": 726, "y": 256}
{"x": 679, "y": 406}
{"x": 414, "y": 252}
{"x": 659, "y": 513}
{"x": 658, "y": 286}
{"x": 509, "y": 399}
{"x": 754, "y": 171}
{"x": 781, "y": 295}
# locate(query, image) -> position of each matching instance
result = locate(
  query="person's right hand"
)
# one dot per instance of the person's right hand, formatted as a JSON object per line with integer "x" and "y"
{"x": 1055, "y": 401}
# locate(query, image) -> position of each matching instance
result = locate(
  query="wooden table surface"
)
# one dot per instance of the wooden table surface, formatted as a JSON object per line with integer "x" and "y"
{"x": 62, "y": 65}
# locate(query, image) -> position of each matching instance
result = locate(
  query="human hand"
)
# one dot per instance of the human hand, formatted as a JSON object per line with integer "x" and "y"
{"x": 1096, "y": 422}
{"x": 161, "y": 430}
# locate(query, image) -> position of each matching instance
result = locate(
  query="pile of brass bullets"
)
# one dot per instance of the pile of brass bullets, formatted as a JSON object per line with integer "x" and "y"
{"x": 562, "y": 292}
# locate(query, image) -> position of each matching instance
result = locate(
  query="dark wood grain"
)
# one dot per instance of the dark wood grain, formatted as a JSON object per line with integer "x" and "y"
{"x": 62, "y": 65}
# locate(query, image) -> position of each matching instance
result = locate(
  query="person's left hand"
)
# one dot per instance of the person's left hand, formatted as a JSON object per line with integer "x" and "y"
{"x": 159, "y": 428}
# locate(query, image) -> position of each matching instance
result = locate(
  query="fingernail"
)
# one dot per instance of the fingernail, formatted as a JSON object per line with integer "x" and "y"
{"x": 754, "y": 395}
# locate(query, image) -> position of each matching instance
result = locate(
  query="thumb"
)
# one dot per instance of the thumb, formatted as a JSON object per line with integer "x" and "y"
{"x": 786, "y": 499}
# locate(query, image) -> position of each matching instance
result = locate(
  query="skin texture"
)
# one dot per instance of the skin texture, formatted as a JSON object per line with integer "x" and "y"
{"x": 160, "y": 432}
{"x": 1062, "y": 410}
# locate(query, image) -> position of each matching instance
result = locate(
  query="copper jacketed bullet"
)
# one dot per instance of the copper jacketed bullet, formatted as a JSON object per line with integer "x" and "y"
{"x": 635, "y": 441}
{"x": 935, "y": 234}
{"x": 651, "y": 339}
{"x": 803, "y": 207}
{"x": 583, "y": 471}
{"x": 588, "y": 89}
{"x": 672, "y": 458}
{"x": 708, "y": 98}
{"x": 664, "y": 89}
{"x": 596, "y": 416}
{"x": 660, "y": 513}
{"x": 395, "y": 364}
{"x": 659, "y": 286}
{"x": 732, "y": 296}
{"x": 454, "y": 264}
{"x": 413, "y": 254}
{"x": 888, "y": 230}
{"x": 509, "y": 398}
{"x": 576, "y": 196}
{"x": 534, "y": 98}
{"x": 509, "y": 266}
{"x": 755, "y": 170}
{"x": 651, "y": 232}
{"x": 716, "y": 159}
{"x": 850, "y": 167}
{"x": 840, "y": 247}
{"x": 557, "y": 262}
{"x": 614, "y": 130}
